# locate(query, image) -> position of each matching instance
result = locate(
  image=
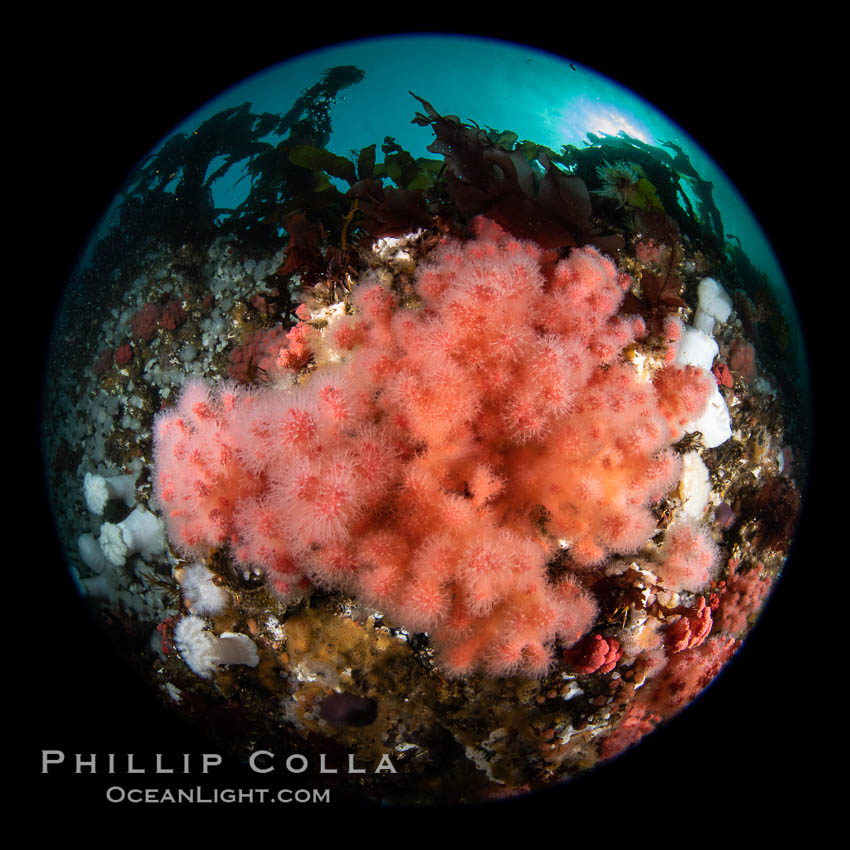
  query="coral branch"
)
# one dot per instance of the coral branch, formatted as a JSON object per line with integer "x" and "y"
{"x": 413, "y": 471}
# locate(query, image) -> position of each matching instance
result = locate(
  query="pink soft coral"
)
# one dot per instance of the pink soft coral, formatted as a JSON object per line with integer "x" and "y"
{"x": 688, "y": 557}
{"x": 413, "y": 474}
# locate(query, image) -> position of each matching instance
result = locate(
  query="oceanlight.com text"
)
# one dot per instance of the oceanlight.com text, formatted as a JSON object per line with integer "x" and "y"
{"x": 119, "y": 794}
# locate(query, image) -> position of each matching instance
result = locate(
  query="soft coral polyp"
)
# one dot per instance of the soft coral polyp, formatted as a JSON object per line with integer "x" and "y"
{"x": 413, "y": 473}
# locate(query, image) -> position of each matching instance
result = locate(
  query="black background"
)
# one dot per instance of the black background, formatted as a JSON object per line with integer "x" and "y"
{"x": 99, "y": 95}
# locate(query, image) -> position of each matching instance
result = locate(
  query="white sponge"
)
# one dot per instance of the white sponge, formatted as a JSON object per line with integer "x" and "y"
{"x": 714, "y": 305}
{"x": 696, "y": 348}
{"x": 714, "y": 424}
{"x": 694, "y": 486}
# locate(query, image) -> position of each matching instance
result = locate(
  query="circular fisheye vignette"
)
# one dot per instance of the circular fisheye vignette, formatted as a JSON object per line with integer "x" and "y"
{"x": 401, "y": 393}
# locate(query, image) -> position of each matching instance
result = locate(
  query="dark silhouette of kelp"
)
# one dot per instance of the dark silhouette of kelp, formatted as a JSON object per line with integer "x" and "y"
{"x": 673, "y": 178}
{"x": 320, "y": 205}
{"x": 169, "y": 197}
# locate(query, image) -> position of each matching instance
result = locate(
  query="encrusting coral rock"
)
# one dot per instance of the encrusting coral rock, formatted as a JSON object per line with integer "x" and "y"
{"x": 455, "y": 449}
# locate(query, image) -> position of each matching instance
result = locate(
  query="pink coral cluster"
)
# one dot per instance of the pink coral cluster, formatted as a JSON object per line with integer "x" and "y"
{"x": 742, "y": 359}
{"x": 270, "y": 350}
{"x": 150, "y": 317}
{"x": 257, "y": 353}
{"x": 742, "y": 597}
{"x": 637, "y": 722}
{"x": 594, "y": 654}
{"x": 688, "y": 556}
{"x": 688, "y": 672}
{"x": 439, "y": 467}
{"x": 691, "y": 629}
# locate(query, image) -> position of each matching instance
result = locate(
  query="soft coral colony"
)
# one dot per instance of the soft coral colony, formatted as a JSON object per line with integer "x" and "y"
{"x": 482, "y": 450}
{"x": 448, "y": 455}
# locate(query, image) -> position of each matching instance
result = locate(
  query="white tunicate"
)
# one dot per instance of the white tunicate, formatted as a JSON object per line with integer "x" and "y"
{"x": 714, "y": 305}
{"x": 714, "y": 424}
{"x": 694, "y": 486}
{"x": 696, "y": 348}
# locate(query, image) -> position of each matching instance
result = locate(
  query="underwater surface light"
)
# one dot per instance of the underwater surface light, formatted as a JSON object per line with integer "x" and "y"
{"x": 433, "y": 408}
